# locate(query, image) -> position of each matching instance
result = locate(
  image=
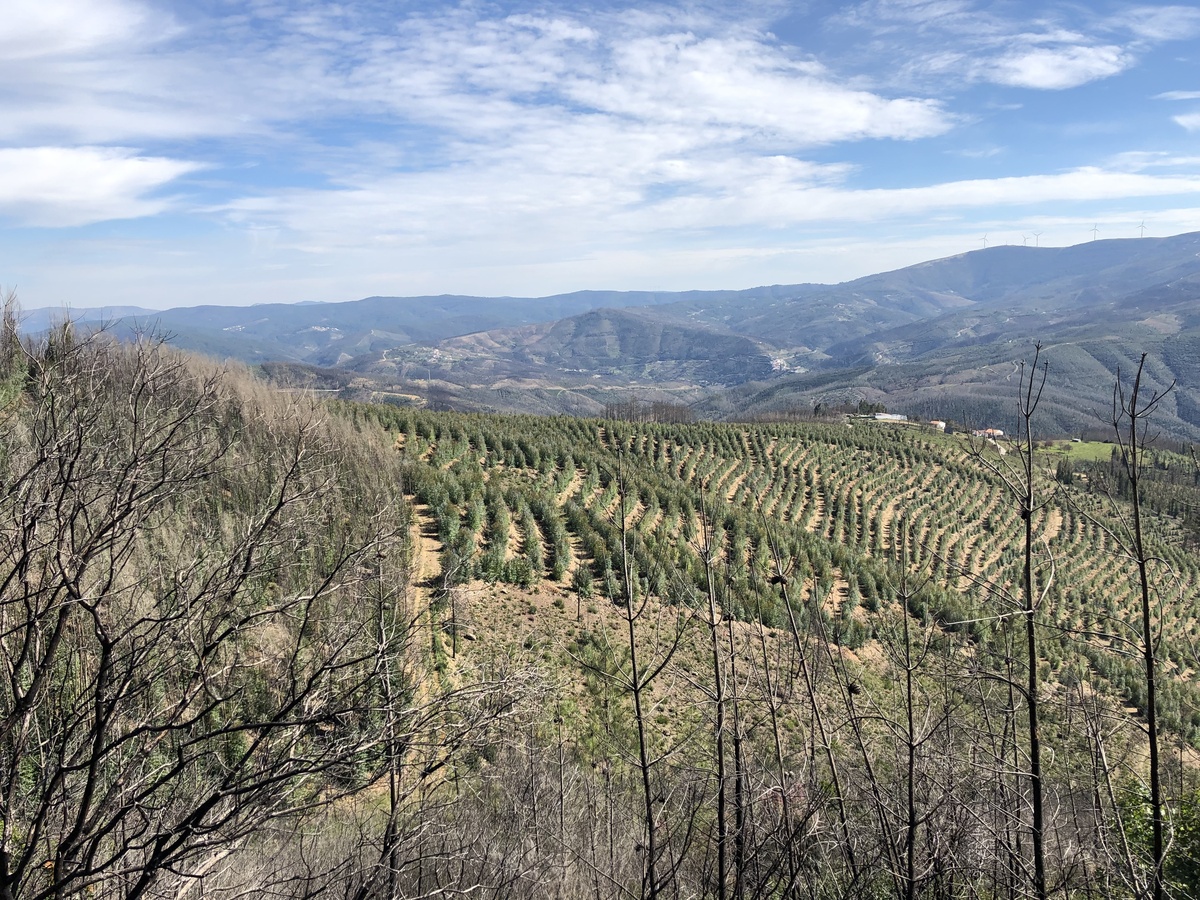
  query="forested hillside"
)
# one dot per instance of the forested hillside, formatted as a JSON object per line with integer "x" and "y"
{"x": 255, "y": 645}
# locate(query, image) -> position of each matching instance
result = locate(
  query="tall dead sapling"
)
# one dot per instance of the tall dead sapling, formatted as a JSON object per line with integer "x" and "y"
{"x": 1021, "y": 480}
{"x": 823, "y": 743}
{"x": 707, "y": 554}
{"x": 1124, "y": 522}
{"x": 1130, "y": 420}
{"x": 636, "y": 677}
{"x": 908, "y": 647}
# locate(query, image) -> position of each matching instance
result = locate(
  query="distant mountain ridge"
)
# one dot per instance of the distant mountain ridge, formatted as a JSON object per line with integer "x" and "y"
{"x": 333, "y": 333}
{"x": 937, "y": 333}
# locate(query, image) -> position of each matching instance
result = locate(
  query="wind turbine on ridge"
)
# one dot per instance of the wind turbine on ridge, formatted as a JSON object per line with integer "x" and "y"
{"x": 1142, "y": 229}
{"x": 1095, "y": 228}
{"x": 1036, "y": 236}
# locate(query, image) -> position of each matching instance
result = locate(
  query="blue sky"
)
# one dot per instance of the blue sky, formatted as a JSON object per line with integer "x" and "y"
{"x": 161, "y": 154}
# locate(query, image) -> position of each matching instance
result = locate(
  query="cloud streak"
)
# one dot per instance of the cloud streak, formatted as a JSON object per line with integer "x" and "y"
{"x": 1063, "y": 47}
{"x": 777, "y": 193}
{"x": 35, "y": 30}
{"x": 1056, "y": 68}
{"x": 71, "y": 186}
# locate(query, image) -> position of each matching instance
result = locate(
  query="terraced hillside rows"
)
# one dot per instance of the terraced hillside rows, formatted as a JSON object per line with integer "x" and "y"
{"x": 804, "y": 659}
{"x": 526, "y": 499}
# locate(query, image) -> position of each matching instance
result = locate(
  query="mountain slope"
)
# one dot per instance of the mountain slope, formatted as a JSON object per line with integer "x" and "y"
{"x": 623, "y": 343}
{"x": 992, "y": 282}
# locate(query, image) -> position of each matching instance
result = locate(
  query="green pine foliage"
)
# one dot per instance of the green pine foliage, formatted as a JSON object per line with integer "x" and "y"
{"x": 835, "y": 502}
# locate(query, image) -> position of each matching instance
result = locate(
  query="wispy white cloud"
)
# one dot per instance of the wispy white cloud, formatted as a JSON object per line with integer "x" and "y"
{"x": 750, "y": 86}
{"x": 1178, "y": 95}
{"x": 1062, "y": 48}
{"x": 1190, "y": 121}
{"x": 33, "y": 29}
{"x": 115, "y": 71}
{"x": 806, "y": 205}
{"x": 1158, "y": 24}
{"x": 1055, "y": 67}
{"x": 486, "y": 78}
{"x": 412, "y": 211}
{"x": 980, "y": 152}
{"x": 66, "y": 186}
{"x": 885, "y": 16}
{"x": 1141, "y": 160}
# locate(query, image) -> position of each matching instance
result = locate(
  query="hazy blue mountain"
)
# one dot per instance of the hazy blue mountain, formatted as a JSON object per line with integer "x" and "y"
{"x": 34, "y": 320}
{"x": 336, "y": 333}
{"x": 941, "y": 338}
{"x": 820, "y": 326}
